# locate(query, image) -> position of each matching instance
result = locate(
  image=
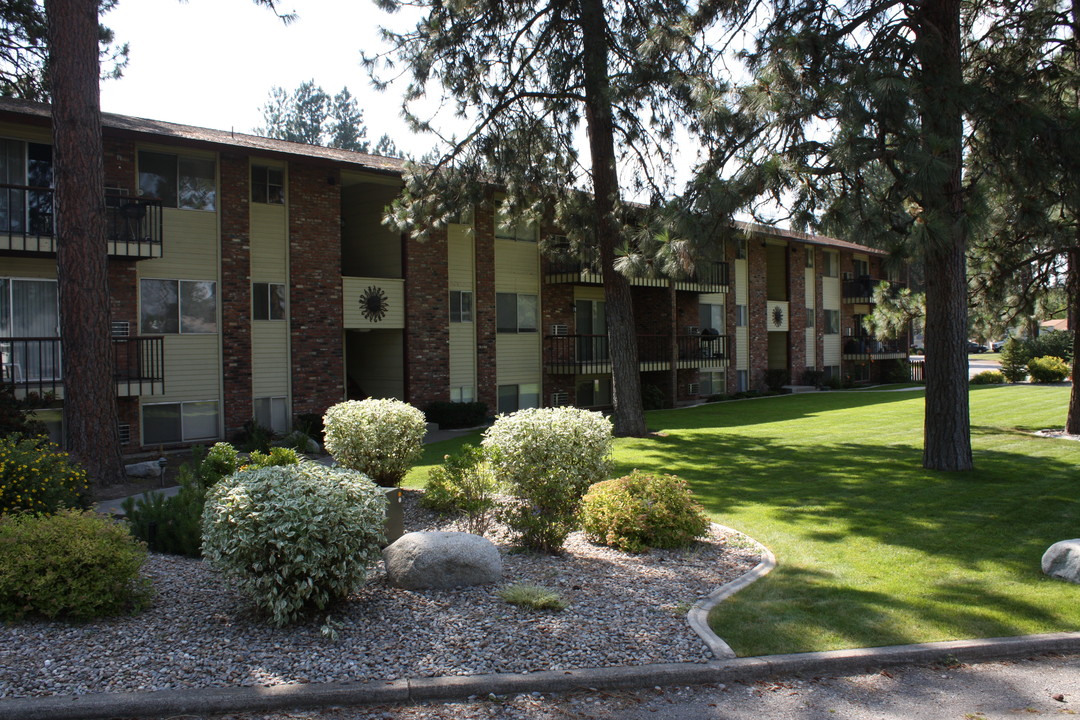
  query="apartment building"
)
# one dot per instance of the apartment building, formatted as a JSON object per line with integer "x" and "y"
{"x": 253, "y": 278}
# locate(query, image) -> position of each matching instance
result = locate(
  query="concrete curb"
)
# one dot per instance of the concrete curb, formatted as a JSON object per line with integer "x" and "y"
{"x": 748, "y": 669}
{"x": 698, "y": 617}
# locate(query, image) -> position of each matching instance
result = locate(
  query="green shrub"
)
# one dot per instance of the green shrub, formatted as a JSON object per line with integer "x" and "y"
{"x": 457, "y": 414}
{"x": 534, "y": 597}
{"x": 277, "y": 457}
{"x": 812, "y": 377}
{"x": 988, "y": 377}
{"x": 36, "y": 477}
{"x": 639, "y": 511}
{"x": 1051, "y": 344}
{"x": 174, "y": 524}
{"x": 294, "y": 538}
{"x": 1014, "y": 359}
{"x": 899, "y": 371}
{"x": 547, "y": 458}
{"x": 17, "y": 413}
{"x": 776, "y": 378}
{"x": 380, "y": 438}
{"x": 464, "y": 484}
{"x": 1048, "y": 369}
{"x": 72, "y": 564}
{"x": 652, "y": 397}
{"x": 254, "y": 436}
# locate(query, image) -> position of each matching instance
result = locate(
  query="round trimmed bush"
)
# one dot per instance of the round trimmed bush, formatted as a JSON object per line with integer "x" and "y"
{"x": 380, "y": 438}
{"x": 73, "y": 564}
{"x": 547, "y": 458}
{"x": 640, "y": 511}
{"x": 295, "y": 538}
{"x": 36, "y": 477}
{"x": 1047, "y": 369}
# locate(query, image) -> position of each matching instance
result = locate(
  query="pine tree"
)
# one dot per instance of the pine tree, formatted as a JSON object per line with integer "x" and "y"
{"x": 527, "y": 79}
{"x": 310, "y": 115}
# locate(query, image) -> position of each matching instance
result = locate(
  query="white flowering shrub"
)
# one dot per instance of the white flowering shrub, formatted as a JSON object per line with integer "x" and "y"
{"x": 380, "y": 438}
{"x": 295, "y": 538}
{"x": 548, "y": 458}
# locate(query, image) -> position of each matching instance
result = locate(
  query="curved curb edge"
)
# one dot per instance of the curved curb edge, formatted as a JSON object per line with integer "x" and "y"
{"x": 698, "y": 617}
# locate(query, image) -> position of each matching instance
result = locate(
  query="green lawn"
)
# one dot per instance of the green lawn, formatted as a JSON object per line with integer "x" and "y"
{"x": 872, "y": 549}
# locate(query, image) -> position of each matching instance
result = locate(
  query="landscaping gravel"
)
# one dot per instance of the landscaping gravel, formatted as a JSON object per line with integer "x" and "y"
{"x": 623, "y": 610}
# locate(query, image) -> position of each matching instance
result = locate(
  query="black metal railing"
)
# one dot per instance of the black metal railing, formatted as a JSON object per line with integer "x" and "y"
{"x": 35, "y": 365}
{"x": 589, "y": 354}
{"x": 133, "y": 226}
{"x": 862, "y": 288}
{"x": 709, "y": 273}
{"x": 867, "y": 345}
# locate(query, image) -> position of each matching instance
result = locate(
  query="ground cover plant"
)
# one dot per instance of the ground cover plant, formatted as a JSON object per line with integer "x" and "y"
{"x": 872, "y": 549}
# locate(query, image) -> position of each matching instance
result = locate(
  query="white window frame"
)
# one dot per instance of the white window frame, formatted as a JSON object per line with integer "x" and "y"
{"x": 832, "y": 328}
{"x": 184, "y": 438}
{"x": 283, "y": 407}
{"x": 179, "y": 308}
{"x": 267, "y": 197}
{"x": 260, "y": 299}
{"x": 179, "y": 160}
{"x": 519, "y": 315}
{"x": 459, "y": 313}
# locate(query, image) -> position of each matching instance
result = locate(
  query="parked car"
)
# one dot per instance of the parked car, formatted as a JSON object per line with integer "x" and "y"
{"x": 974, "y": 347}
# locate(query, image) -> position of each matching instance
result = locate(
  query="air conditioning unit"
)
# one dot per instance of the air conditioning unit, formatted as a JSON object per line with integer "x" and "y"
{"x": 559, "y": 329}
{"x": 693, "y": 330}
{"x": 125, "y": 433}
{"x": 558, "y": 242}
{"x": 694, "y": 388}
{"x": 121, "y": 329}
{"x": 559, "y": 398}
{"x": 849, "y": 331}
{"x": 849, "y": 275}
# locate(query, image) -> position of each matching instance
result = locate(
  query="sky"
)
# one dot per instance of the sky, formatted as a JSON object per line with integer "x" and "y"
{"x": 212, "y": 63}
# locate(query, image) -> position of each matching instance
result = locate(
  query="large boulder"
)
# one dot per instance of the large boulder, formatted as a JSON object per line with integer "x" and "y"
{"x": 1062, "y": 560}
{"x": 419, "y": 560}
{"x": 148, "y": 469}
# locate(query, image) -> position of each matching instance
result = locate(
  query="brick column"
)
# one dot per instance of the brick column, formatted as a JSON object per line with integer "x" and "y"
{"x": 427, "y": 321}
{"x": 757, "y": 295}
{"x": 235, "y": 292}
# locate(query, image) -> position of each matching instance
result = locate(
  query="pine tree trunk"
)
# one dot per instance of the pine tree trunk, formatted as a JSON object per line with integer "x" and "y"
{"x": 947, "y": 425}
{"x": 629, "y": 416}
{"x": 1072, "y": 421}
{"x": 90, "y": 409}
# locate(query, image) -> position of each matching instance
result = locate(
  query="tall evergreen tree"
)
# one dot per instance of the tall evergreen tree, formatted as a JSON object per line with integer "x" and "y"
{"x": 860, "y": 107}
{"x": 310, "y": 115}
{"x": 528, "y": 79}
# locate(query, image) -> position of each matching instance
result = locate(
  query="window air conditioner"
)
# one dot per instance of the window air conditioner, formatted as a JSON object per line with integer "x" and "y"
{"x": 121, "y": 329}
{"x": 695, "y": 388}
{"x": 693, "y": 330}
{"x": 559, "y": 329}
{"x": 559, "y": 398}
{"x": 849, "y": 276}
{"x": 125, "y": 433}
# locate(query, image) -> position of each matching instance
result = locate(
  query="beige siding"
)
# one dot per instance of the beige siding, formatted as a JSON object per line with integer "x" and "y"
{"x": 192, "y": 368}
{"x": 354, "y": 287}
{"x": 830, "y": 293}
{"x": 810, "y": 288}
{"x": 462, "y": 354}
{"x": 517, "y": 358}
{"x": 460, "y": 264}
{"x": 269, "y": 243}
{"x": 595, "y": 294}
{"x": 269, "y": 358}
{"x": 517, "y": 267}
{"x": 191, "y": 247}
{"x": 811, "y": 347}
{"x": 831, "y": 350}
{"x": 28, "y": 267}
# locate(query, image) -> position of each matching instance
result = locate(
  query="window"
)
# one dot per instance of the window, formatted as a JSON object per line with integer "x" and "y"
{"x": 179, "y": 422}
{"x": 862, "y": 267}
{"x": 267, "y": 301}
{"x": 515, "y": 313}
{"x": 810, "y": 315}
{"x": 273, "y": 413}
{"x": 518, "y": 397}
{"x": 742, "y": 380}
{"x": 507, "y": 228}
{"x": 594, "y": 393}
{"x": 832, "y": 322}
{"x": 461, "y": 306}
{"x": 830, "y": 263}
{"x": 177, "y": 306}
{"x": 741, "y": 319}
{"x": 267, "y": 185}
{"x": 29, "y": 310}
{"x": 28, "y": 207}
{"x": 181, "y": 182}
{"x": 809, "y": 257}
{"x": 463, "y": 393}
{"x": 740, "y": 249}
{"x": 711, "y": 316}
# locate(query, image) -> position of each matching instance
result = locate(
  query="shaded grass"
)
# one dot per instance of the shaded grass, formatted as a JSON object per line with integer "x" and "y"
{"x": 873, "y": 549}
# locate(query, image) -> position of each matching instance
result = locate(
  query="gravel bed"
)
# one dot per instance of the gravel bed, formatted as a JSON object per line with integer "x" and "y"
{"x": 623, "y": 610}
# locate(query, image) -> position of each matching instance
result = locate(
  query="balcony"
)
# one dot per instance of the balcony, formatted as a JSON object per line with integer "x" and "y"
{"x": 864, "y": 347}
{"x": 589, "y": 354}
{"x": 707, "y": 277}
{"x": 133, "y": 226}
{"x": 35, "y": 365}
{"x": 861, "y": 289}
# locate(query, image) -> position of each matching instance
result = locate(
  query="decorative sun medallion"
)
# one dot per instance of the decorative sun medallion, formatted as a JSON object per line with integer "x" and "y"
{"x": 778, "y": 316}
{"x": 373, "y": 304}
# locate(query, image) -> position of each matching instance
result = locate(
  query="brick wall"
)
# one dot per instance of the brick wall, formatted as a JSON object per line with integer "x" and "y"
{"x": 315, "y": 290}
{"x": 235, "y": 292}
{"x": 797, "y": 313}
{"x": 758, "y": 311}
{"x": 427, "y": 330}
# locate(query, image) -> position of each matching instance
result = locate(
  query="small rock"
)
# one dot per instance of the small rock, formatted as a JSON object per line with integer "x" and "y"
{"x": 1059, "y": 697}
{"x": 1062, "y": 560}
